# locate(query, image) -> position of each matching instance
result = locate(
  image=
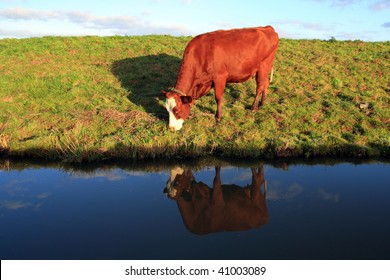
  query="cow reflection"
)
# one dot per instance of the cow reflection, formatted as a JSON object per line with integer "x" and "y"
{"x": 206, "y": 210}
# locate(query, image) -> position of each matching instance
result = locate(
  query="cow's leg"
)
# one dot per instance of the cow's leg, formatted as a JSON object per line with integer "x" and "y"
{"x": 219, "y": 88}
{"x": 217, "y": 179}
{"x": 263, "y": 80}
{"x": 217, "y": 198}
{"x": 261, "y": 89}
{"x": 258, "y": 181}
{"x": 264, "y": 90}
{"x": 268, "y": 67}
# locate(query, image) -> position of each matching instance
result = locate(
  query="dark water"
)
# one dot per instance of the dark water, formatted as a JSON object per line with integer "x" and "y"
{"x": 241, "y": 211}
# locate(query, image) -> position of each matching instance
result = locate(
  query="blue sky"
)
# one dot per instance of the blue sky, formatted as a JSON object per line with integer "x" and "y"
{"x": 367, "y": 20}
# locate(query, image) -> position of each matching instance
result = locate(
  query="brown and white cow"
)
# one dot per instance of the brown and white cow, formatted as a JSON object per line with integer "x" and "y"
{"x": 206, "y": 210}
{"x": 216, "y": 58}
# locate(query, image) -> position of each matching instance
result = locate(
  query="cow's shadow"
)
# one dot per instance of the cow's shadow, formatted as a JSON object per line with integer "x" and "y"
{"x": 145, "y": 77}
{"x": 221, "y": 207}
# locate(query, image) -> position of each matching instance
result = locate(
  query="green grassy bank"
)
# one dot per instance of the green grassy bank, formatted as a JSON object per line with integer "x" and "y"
{"x": 96, "y": 98}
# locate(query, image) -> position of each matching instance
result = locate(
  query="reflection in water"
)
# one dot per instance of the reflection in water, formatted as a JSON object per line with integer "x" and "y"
{"x": 231, "y": 207}
{"x": 59, "y": 211}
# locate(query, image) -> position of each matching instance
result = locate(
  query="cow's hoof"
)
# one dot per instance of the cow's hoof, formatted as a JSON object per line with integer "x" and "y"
{"x": 218, "y": 119}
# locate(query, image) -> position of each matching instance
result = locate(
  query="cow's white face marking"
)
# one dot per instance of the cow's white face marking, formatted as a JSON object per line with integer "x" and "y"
{"x": 175, "y": 124}
{"x": 171, "y": 191}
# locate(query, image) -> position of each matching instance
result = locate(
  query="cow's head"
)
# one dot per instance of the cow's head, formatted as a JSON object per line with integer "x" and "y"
{"x": 178, "y": 107}
{"x": 179, "y": 184}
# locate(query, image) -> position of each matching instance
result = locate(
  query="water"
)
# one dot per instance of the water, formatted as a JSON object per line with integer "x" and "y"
{"x": 195, "y": 211}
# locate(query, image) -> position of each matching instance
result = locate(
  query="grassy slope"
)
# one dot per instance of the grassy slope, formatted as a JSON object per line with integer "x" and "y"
{"x": 93, "y": 98}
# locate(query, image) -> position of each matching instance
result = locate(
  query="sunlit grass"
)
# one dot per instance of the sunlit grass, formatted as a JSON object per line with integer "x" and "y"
{"x": 95, "y": 98}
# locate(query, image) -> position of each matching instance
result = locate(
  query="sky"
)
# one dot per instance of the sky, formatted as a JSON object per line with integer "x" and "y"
{"x": 367, "y": 20}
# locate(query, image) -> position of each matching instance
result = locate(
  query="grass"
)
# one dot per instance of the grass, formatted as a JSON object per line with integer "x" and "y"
{"x": 96, "y": 98}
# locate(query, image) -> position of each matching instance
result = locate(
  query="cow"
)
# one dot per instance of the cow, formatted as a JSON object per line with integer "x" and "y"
{"x": 222, "y": 208}
{"x": 213, "y": 59}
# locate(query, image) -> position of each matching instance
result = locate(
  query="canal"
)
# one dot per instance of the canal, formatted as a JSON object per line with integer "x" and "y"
{"x": 204, "y": 209}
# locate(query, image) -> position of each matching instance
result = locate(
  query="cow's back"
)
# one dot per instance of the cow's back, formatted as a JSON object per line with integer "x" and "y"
{"x": 236, "y": 52}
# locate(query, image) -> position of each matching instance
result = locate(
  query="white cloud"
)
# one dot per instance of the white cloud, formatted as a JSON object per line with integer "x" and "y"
{"x": 362, "y": 35}
{"x": 305, "y": 25}
{"x": 276, "y": 192}
{"x": 376, "y": 6}
{"x": 43, "y": 195}
{"x": 19, "y": 33}
{"x": 380, "y": 5}
{"x": 87, "y": 23}
{"x": 303, "y": 29}
{"x": 87, "y": 19}
{"x": 14, "y": 205}
{"x": 338, "y": 3}
{"x": 109, "y": 174}
{"x": 327, "y": 196}
{"x": 342, "y": 3}
{"x": 26, "y": 14}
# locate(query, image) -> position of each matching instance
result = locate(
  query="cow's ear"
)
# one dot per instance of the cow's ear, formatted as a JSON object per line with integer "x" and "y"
{"x": 186, "y": 99}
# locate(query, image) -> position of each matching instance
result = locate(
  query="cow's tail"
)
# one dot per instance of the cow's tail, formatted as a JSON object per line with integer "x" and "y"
{"x": 272, "y": 75}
